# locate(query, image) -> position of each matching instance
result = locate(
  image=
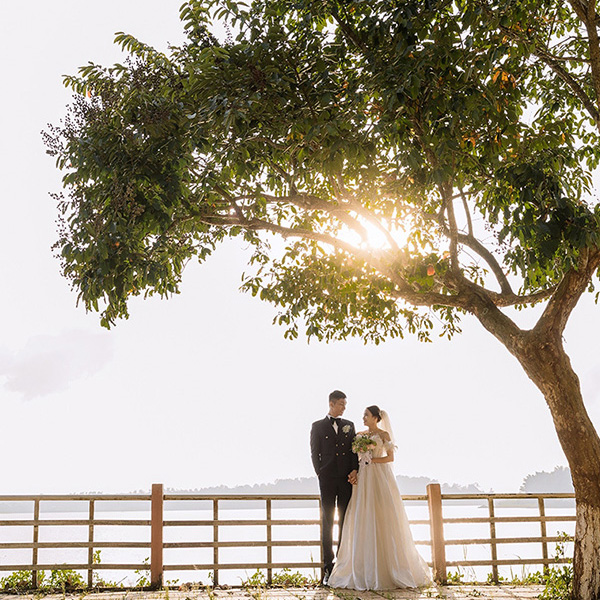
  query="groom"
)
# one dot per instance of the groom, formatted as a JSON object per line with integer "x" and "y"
{"x": 336, "y": 467}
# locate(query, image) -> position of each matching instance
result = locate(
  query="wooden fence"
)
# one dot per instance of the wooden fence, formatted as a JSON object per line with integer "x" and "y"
{"x": 436, "y": 520}
{"x": 441, "y": 542}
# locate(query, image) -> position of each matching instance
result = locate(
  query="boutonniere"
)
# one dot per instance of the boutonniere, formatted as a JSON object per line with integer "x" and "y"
{"x": 346, "y": 428}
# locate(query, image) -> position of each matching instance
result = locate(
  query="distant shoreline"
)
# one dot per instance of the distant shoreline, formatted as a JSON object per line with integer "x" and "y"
{"x": 409, "y": 486}
{"x": 191, "y": 505}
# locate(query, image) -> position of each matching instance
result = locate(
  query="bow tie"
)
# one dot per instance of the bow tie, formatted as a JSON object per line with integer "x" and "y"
{"x": 336, "y": 420}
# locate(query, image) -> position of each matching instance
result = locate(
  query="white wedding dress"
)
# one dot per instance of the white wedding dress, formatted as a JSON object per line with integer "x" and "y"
{"x": 377, "y": 551}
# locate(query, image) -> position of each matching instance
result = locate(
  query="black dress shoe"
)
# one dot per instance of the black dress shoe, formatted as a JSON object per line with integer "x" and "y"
{"x": 326, "y": 573}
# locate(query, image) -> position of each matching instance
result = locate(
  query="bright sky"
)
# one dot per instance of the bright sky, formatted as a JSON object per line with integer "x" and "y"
{"x": 202, "y": 389}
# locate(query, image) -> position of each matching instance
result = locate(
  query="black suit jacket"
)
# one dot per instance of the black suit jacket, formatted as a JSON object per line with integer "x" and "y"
{"x": 331, "y": 453}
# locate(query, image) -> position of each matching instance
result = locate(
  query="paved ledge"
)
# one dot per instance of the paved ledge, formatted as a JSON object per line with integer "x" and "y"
{"x": 454, "y": 592}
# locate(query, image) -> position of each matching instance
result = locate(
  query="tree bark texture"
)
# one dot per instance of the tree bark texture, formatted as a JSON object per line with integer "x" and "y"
{"x": 545, "y": 361}
{"x": 549, "y": 367}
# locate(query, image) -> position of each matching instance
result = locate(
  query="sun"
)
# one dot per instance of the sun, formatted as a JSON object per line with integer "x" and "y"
{"x": 375, "y": 237}
{"x": 378, "y": 240}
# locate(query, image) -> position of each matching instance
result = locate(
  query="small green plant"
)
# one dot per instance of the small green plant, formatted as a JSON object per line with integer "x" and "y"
{"x": 143, "y": 575}
{"x": 256, "y": 580}
{"x": 559, "y": 579}
{"x": 63, "y": 581}
{"x": 98, "y": 580}
{"x": 287, "y": 578}
{"x": 454, "y": 578}
{"x": 343, "y": 595}
{"x": 316, "y": 577}
{"x": 255, "y": 585}
{"x": 558, "y": 584}
{"x": 526, "y": 578}
{"x": 491, "y": 581}
{"x": 19, "y": 581}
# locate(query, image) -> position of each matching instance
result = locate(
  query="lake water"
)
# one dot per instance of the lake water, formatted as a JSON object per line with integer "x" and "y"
{"x": 280, "y": 510}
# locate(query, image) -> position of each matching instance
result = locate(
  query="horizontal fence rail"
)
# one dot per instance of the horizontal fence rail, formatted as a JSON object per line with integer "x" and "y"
{"x": 438, "y": 521}
{"x": 493, "y": 541}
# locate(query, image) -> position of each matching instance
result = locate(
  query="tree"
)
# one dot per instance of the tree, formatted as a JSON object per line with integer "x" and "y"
{"x": 557, "y": 480}
{"x": 420, "y": 159}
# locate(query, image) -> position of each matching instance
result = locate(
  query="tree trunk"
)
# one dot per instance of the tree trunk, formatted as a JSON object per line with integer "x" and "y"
{"x": 548, "y": 366}
{"x": 586, "y": 563}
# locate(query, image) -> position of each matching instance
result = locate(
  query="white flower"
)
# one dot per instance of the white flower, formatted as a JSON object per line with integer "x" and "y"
{"x": 346, "y": 428}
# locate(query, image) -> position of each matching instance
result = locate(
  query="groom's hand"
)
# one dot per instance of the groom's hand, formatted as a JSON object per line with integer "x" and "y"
{"x": 353, "y": 477}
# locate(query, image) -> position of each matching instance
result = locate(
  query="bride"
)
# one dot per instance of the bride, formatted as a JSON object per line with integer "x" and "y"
{"x": 377, "y": 551}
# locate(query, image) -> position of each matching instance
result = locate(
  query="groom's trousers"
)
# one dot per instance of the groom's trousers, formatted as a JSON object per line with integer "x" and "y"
{"x": 334, "y": 490}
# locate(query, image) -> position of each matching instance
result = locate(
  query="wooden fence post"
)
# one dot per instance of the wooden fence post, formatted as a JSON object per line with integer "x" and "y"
{"x": 493, "y": 544}
{"x": 91, "y": 548}
{"x": 156, "y": 536}
{"x": 34, "y": 558}
{"x": 544, "y": 533}
{"x": 215, "y": 579}
{"x": 269, "y": 515}
{"x": 436, "y": 523}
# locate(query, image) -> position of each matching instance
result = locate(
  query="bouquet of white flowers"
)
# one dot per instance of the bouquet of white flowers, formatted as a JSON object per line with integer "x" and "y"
{"x": 363, "y": 445}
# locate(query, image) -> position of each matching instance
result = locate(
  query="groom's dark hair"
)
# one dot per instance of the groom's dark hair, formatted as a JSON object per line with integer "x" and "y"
{"x": 336, "y": 395}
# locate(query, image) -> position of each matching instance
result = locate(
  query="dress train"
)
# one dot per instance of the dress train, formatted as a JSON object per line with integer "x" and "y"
{"x": 377, "y": 551}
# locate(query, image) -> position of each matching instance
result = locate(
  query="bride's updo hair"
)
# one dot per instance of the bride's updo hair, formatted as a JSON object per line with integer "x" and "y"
{"x": 374, "y": 410}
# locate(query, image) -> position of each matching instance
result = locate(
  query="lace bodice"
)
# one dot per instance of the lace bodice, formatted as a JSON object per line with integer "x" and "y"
{"x": 382, "y": 447}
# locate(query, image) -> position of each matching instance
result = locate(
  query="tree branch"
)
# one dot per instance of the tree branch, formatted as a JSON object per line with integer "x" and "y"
{"x": 452, "y": 229}
{"x": 338, "y": 183}
{"x": 506, "y": 300}
{"x": 309, "y": 202}
{"x": 256, "y": 224}
{"x": 430, "y": 299}
{"x": 475, "y": 245}
{"x": 576, "y": 88}
{"x": 594, "y": 46}
{"x": 467, "y": 212}
{"x": 551, "y": 61}
{"x": 269, "y": 142}
{"x": 580, "y": 8}
{"x": 405, "y": 290}
{"x": 496, "y": 322}
{"x": 557, "y": 58}
{"x": 568, "y": 292}
{"x": 472, "y": 242}
{"x": 291, "y": 180}
{"x": 239, "y": 212}
{"x": 348, "y": 31}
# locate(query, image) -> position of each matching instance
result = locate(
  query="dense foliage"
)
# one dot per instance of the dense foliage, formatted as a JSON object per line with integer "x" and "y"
{"x": 412, "y": 154}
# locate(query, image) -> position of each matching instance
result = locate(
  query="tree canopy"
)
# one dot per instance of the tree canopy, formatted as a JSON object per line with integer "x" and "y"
{"x": 416, "y": 156}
